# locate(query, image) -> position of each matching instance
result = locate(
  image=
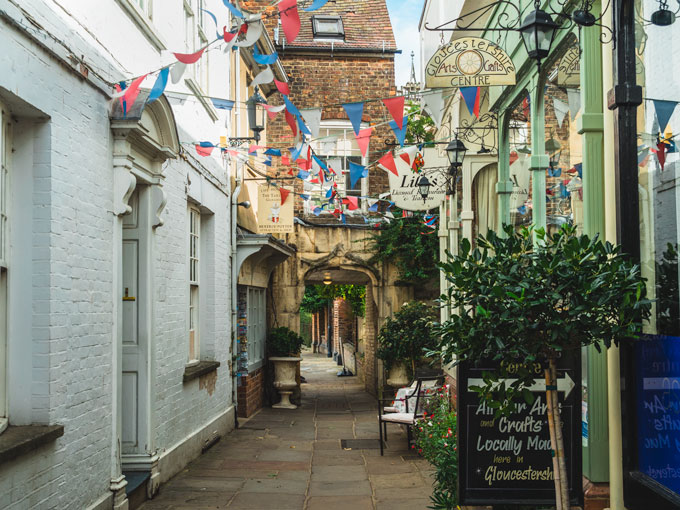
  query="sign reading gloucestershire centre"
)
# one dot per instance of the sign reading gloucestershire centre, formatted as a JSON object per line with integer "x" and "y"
{"x": 569, "y": 69}
{"x": 469, "y": 62}
{"x": 404, "y": 188}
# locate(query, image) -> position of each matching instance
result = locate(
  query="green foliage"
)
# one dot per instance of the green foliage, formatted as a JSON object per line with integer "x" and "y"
{"x": 409, "y": 334}
{"x": 284, "y": 342}
{"x": 420, "y": 127}
{"x": 435, "y": 439}
{"x": 403, "y": 244}
{"x": 521, "y": 305}
{"x": 316, "y": 297}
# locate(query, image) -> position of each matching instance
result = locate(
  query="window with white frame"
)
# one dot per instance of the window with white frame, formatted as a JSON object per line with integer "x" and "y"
{"x": 189, "y": 28}
{"x": 5, "y": 151}
{"x": 337, "y": 146}
{"x": 257, "y": 326}
{"x": 143, "y": 6}
{"x": 194, "y": 278}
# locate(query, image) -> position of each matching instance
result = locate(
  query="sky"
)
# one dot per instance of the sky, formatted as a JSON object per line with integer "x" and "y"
{"x": 405, "y": 15}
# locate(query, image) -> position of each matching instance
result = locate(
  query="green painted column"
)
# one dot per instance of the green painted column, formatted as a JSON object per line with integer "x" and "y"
{"x": 504, "y": 184}
{"x": 540, "y": 161}
{"x": 591, "y": 127}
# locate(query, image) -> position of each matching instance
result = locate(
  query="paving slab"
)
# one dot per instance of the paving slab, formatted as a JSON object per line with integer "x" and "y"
{"x": 293, "y": 459}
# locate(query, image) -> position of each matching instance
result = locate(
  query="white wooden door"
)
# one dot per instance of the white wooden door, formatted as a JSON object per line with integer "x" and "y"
{"x": 135, "y": 316}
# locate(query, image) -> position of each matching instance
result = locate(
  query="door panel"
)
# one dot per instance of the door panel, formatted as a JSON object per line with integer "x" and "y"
{"x": 130, "y": 306}
{"x": 130, "y": 417}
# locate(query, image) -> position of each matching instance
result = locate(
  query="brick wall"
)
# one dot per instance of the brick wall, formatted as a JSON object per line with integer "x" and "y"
{"x": 251, "y": 393}
{"x": 344, "y": 324}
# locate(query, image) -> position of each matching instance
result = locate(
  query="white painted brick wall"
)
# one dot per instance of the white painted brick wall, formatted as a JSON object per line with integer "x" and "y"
{"x": 66, "y": 376}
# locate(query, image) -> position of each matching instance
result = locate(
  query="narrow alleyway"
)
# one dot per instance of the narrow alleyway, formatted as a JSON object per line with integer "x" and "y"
{"x": 294, "y": 460}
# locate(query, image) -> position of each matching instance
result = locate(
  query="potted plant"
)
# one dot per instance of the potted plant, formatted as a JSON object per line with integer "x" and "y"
{"x": 283, "y": 347}
{"x": 404, "y": 339}
{"x": 529, "y": 296}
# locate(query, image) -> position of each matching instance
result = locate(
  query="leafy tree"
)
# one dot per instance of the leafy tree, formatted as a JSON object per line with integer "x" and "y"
{"x": 420, "y": 127}
{"x": 316, "y": 297}
{"x": 526, "y": 303}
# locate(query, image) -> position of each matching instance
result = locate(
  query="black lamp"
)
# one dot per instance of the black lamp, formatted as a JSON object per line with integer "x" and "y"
{"x": 663, "y": 16}
{"x": 256, "y": 114}
{"x": 538, "y": 31}
{"x": 424, "y": 187}
{"x": 455, "y": 151}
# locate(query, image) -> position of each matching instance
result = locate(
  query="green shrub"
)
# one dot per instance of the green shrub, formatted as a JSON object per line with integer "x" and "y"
{"x": 435, "y": 439}
{"x": 406, "y": 336}
{"x": 284, "y": 342}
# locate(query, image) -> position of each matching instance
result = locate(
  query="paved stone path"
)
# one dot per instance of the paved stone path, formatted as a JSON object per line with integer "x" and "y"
{"x": 292, "y": 460}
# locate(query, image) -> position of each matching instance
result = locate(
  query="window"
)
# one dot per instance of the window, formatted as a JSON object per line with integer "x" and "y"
{"x": 336, "y": 146}
{"x": 143, "y": 6}
{"x": 5, "y": 150}
{"x": 257, "y": 326}
{"x": 194, "y": 254}
{"x": 203, "y": 64}
{"x": 189, "y": 28}
{"x": 328, "y": 27}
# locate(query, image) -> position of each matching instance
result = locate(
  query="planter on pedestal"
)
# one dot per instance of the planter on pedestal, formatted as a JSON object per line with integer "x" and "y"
{"x": 285, "y": 369}
{"x": 398, "y": 375}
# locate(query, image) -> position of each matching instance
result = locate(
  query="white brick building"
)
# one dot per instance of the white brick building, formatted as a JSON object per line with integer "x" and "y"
{"x": 115, "y": 249}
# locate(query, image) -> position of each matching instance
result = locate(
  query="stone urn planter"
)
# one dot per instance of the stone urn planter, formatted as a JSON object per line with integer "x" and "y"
{"x": 397, "y": 377}
{"x": 284, "y": 379}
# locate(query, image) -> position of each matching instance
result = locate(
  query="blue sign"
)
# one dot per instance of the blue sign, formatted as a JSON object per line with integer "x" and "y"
{"x": 658, "y": 409}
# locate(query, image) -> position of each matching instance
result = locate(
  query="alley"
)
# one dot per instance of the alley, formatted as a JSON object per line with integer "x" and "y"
{"x": 294, "y": 460}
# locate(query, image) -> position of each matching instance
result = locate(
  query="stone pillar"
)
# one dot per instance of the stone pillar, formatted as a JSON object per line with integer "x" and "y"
{"x": 539, "y": 159}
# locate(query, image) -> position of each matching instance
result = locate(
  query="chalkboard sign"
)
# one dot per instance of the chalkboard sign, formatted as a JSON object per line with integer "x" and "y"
{"x": 658, "y": 409}
{"x": 508, "y": 460}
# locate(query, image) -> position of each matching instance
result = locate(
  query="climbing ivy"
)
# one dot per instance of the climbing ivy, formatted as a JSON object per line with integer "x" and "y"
{"x": 316, "y": 297}
{"x": 404, "y": 243}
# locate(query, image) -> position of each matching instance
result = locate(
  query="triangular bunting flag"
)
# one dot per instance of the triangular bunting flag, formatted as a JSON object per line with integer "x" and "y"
{"x": 292, "y": 122}
{"x": 284, "y": 195}
{"x": 351, "y": 202}
{"x": 266, "y": 76}
{"x": 661, "y": 154}
{"x": 264, "y": 60}
{"x": 400, "y": 133}
{"x": 356, "y": 172}
{"x": 290, "y": 19}
{"x": 290, "y": 106}
{"x": 316, "y": 4}
{"x": 131, "y": 94}
{"x": 471, "y": 96}
{"x": 272, "y": 111}
{"x": 189, "y": 58}
{"x": 433, "y": 103}
{"x": 355, "y": 111}
{"x": 363, "y": 139}
{"x": 387, "y": 162}
{"x": 233, "y": 9}
{"x": 395, "y": 105}
{"x": 177, "y": 71}
{"x": 373, "y": 205}
{"x": 282, "y": 87}
{"x": 561, "y": 110}
{"x": 574, "y": 98}
{"x": 313, "y": 119}
{"x": 204, "y": 151}
{"x": 664, "y": 112}
{"x": 408, "y": 154}
{"x": 159, "y": 86}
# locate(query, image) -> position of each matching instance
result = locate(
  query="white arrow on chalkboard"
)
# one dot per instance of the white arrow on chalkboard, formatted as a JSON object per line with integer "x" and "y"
{"x": 661, "y": 383}
{"x": 565, "y": 384}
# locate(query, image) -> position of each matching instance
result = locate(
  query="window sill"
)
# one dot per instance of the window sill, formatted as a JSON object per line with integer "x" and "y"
{"x": 201, "y": 368}
{"x": 144, "y": 23}
{"x": 17, "y": 441}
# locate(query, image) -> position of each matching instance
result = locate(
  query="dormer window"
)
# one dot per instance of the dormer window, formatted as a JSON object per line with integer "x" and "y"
{"x": 328, "y": 27}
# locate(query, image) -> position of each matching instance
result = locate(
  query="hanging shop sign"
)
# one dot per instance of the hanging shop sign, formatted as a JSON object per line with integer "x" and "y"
{"x": 569, "y": 69}
{"x": 469, "y": 62}
{"x": 404, "y": 190}
{"x": 508, "y": 460}
{"x": 274, "y": 210}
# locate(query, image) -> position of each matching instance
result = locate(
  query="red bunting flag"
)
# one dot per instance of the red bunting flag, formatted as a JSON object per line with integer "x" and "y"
{"x": 189, "y": 58}
{"x": 272, "y": 111}
{"x": 131, "y": 94}
{"x": 304, "y": 164}
{"x": 285, "y": 160}
{"x": 292, "y": 122}
{"x": 282, "y": 87}
{"x": 395, "y": 105}
{"x": 284, "y": 195}
{"x": 204, "y": 151}
{"x": 351, "y": 202}
{"x": 661, "y": 154}
{"x": 387, "y": 162}
{"x": 363, "y": 138}
{"x": 290, "y": 19}
{"x": 228, "y": 36}
{"x": 513, "y": 157}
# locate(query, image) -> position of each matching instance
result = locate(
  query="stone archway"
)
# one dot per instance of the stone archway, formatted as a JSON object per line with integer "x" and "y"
{"x": 344, "y": 252}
